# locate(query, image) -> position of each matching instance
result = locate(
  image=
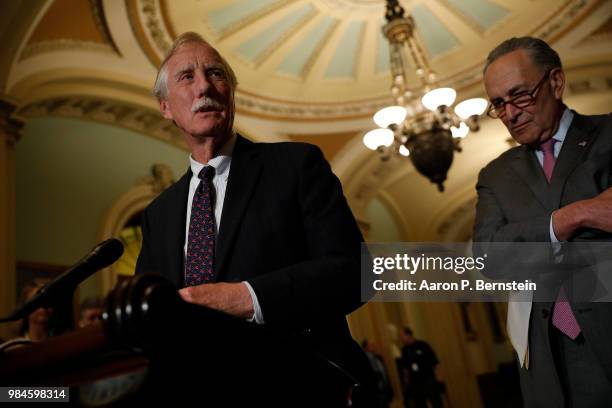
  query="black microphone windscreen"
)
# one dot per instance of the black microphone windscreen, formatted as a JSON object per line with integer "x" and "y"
{"x": 108, "y": 251}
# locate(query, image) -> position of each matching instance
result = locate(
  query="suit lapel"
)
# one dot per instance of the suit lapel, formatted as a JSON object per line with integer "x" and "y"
{"x": 243, "y": 177}
{"x": 576, "y": 144}
{"x": 526, "y": 164}
{"x": 175, "y": 221}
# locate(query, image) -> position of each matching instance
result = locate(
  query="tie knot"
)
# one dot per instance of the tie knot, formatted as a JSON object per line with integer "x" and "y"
{"x": 548, "y": 146}
{"x": 207, "y": 173}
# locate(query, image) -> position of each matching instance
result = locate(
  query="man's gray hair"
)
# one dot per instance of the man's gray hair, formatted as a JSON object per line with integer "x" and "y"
{"x": 540, "y": 52}
{"x": 160, "y": 88}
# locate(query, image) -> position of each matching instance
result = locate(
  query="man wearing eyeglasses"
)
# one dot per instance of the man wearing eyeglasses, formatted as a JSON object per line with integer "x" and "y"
{"x": 555, "y": 187}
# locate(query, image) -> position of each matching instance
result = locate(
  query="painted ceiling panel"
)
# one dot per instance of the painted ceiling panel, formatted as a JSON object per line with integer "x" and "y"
{"x": 436, "y": 37}
{"x": 482, "y": 12}
{"x": 344, "y": 60}
{"x": 267, "y": 38}
{"x": 223, "y": 18}
{"x": 296, "y": 61}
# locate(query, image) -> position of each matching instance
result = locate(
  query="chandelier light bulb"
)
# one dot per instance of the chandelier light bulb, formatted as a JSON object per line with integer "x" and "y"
{"x": 439, "y": 97}
{"x": 460, "y": 131}
{"x": 390, "y": 115}
{"x": 377, "y": 138}
{"x": 470, "y": 107}
{"x": 403, "y": 150}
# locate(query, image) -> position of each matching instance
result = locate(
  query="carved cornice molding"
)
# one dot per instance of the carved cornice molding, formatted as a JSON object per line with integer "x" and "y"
{"x": 64, "y": 45}
{"x": 147, "y": 22}
{"x": 254, "y": 105}
{"x": 590, "y": 85}
{"x": 565, "y": 19}
{"x": 117, "y": 113}
{"x": 99, "y": 17}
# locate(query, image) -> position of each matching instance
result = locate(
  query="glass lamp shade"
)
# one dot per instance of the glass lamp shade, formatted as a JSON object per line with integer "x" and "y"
{"x": 390, "y": 115}
{"x": 439, "y": 97}
{"x": 460, "y": 131}
{"x": 377, "y": 138}
{"x": 470, "y": 107}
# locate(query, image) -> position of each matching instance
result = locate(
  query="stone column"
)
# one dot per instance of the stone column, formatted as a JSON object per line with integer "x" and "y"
{"x": 10, "y": 129}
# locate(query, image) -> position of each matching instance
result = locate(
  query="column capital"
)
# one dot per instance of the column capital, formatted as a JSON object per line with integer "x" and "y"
{"x": 11, "y": 124}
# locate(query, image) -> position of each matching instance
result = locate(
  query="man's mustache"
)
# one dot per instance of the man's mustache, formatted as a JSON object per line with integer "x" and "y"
{"x": 207, "y": 102}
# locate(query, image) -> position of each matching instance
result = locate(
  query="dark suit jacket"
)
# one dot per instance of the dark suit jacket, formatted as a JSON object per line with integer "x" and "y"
{"x": 515, "y": 203}
{"x": 286, "y": 228}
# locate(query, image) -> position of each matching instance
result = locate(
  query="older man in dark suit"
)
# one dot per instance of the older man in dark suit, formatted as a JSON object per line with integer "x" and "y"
{"x": 258, "y": 231}
{"x": 555, "y": 187}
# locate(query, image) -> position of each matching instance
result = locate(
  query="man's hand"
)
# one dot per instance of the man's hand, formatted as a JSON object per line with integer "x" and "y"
{"x": 592, "y": 213}
{"x": 231, "y": 298}
{"x": 599, "y": 211}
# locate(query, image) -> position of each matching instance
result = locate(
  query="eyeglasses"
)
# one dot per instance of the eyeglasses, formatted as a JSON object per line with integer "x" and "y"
{"x": 521, "y": 101}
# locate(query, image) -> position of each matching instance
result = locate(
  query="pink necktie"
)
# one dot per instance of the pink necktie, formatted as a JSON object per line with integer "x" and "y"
{"x": 548, "y": 148}
{"x": 562, "y": 318}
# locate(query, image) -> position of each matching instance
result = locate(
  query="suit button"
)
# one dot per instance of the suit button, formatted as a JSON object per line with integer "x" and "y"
{"x": 545, "y": 313}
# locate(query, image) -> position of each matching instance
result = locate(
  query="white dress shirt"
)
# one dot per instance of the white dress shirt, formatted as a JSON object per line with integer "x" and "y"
{"x": 222, "y": 163}
{"x": 519, "y": 311}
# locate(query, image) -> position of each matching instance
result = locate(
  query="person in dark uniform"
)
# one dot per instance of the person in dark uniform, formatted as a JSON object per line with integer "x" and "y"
{"x": 418, "y": 365}
{"x": 383, "y": 386}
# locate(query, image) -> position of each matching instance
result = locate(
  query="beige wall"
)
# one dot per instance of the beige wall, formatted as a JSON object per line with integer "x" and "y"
{"x": 69, "y": 172}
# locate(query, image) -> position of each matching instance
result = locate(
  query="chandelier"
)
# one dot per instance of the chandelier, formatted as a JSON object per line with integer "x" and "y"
{"x": 421, "y": 124}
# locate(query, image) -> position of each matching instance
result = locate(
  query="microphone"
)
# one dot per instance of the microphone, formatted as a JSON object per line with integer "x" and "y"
{"x": 103, "y": 255}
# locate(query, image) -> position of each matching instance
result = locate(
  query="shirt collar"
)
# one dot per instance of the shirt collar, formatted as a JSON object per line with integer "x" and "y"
{"x": 220, "y": 162}
{"x": 564, "y": 125}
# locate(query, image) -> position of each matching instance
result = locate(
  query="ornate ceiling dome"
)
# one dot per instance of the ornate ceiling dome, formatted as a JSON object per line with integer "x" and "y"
{"x": 328, "y": 58}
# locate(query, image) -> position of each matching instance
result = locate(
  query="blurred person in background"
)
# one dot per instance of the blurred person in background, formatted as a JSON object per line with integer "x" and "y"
{"x": 90, "y": 312}
{"x": 383, "y": 386}
{"x": 419, "y": 365}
